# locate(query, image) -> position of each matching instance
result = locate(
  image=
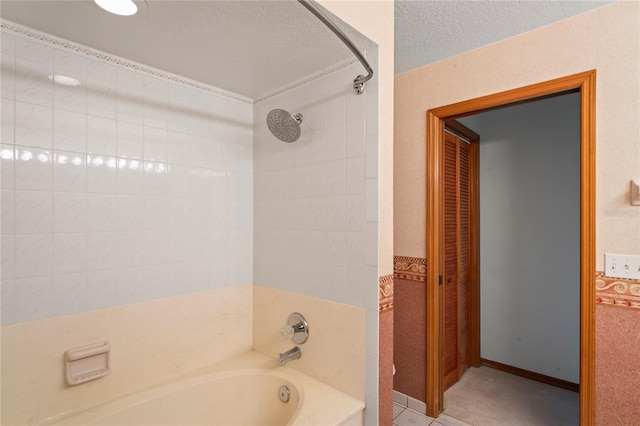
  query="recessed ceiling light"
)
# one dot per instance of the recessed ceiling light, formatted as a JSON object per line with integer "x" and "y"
{"x": 64, "y": 80}
{"x": 118, "y": 7}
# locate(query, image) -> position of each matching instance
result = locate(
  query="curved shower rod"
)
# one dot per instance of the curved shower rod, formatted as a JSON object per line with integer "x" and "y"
{"x": 359, "y": 81}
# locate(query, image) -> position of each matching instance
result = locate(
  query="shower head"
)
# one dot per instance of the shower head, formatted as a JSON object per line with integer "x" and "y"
{"x": 284, "y": 125}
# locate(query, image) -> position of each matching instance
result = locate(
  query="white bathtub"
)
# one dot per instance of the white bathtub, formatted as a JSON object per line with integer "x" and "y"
{"x": 240, "y": 391}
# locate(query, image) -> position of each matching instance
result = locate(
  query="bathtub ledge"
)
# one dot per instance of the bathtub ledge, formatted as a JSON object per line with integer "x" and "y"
{"x": 320, "y": 404}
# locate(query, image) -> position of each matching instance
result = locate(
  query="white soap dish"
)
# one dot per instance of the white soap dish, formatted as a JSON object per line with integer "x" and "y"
{"x": 86, "y": 363}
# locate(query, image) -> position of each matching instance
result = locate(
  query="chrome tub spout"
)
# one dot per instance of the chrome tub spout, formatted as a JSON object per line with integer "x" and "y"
{"x": 289, "y": 355}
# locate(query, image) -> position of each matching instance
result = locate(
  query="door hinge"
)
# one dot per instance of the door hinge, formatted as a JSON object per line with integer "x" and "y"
{"x": 439, "y": 279}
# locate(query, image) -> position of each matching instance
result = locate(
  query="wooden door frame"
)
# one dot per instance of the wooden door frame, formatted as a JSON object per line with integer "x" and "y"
{"x": 585, "y": 83}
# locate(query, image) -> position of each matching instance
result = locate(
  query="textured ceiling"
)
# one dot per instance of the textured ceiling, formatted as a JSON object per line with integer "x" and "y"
{"x": 427, "y": 31}
{"x": 246, "y": 47}
{"x": 255, "y": 47}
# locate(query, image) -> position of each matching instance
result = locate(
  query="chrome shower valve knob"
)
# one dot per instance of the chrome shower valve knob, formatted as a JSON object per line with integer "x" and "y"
{"x": 287, "y": 332}
{"x": 296, "y": 329}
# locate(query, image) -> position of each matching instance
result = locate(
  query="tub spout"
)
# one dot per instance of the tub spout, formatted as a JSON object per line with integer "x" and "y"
{"x": 289, "y": 355}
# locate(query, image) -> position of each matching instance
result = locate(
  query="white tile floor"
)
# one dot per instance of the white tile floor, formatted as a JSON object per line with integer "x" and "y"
{"x": 403, "y": 416}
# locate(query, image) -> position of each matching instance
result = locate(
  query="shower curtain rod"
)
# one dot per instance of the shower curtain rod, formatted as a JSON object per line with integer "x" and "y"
{"x": 359, "y": 81}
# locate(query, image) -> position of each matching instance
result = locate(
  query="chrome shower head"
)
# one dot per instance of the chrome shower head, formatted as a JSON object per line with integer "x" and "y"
{"x": 284, "y": 125}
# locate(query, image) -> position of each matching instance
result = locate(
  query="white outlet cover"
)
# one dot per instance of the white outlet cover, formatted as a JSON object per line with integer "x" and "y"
{"x": 622, "y": 266}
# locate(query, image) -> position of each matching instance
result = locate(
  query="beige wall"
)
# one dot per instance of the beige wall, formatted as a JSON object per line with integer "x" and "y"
{"x": 335, "y": 351}
{"x": 606, "y": 39}
{"x": 374, "y": 19}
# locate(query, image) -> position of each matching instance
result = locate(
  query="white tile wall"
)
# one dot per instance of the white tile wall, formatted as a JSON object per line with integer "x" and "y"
{"x": 316, "y": 199}
{"x": 125, "y": 188}
{"x": 316, "y": 202}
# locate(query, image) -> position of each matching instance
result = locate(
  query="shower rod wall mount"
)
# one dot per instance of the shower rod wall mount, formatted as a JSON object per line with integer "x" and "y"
{"x": 358, "y": 84}
{"x": 359, "y": 81}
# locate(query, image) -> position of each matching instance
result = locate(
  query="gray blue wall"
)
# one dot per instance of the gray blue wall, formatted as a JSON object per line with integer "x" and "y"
{"x": 530, "y": 235}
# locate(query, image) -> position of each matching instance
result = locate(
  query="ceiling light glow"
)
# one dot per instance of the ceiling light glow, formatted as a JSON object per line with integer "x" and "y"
{"x": 118, "y": 7}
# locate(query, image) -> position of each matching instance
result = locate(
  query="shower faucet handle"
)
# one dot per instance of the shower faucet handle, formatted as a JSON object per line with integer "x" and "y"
{"x": 296, "y": 329}
{"x": 287, "y": 332}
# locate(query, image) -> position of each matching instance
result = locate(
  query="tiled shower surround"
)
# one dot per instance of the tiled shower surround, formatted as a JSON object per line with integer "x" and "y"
{"x": 138, "y": 186}
{"x": 316, "y": 202}
{"x": 316, "y": 199}
{"x": 122, "y": 189}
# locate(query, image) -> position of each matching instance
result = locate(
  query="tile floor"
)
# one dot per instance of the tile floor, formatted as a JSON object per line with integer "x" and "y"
{"x": 403, "y": 416}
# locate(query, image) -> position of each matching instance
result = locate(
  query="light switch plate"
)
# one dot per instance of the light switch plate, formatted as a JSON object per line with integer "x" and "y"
{"x": 622, "y": 266}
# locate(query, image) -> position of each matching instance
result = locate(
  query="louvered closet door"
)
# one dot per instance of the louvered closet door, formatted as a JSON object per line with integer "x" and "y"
{"x": 456, "y": 258}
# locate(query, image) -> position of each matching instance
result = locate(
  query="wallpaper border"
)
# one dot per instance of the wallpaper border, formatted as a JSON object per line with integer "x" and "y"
{"x": 410, "y": 268}
{"x": 385, "y": 293}
{"x": 617, "y": 291}
{"x": 609, "y": 291}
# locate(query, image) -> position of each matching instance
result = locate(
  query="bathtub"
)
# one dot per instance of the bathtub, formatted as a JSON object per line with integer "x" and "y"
{"x": 241, "y": 391}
